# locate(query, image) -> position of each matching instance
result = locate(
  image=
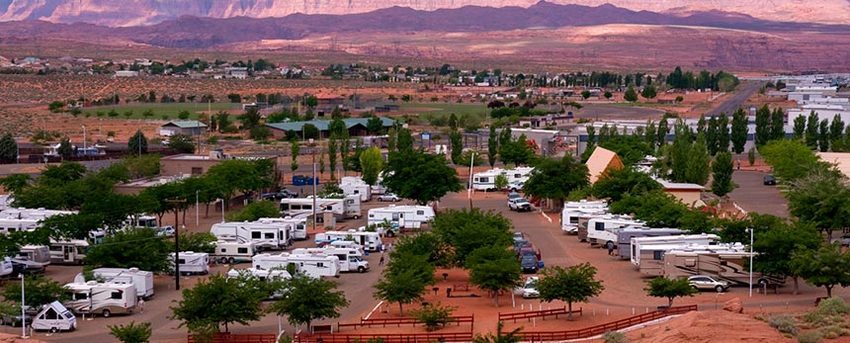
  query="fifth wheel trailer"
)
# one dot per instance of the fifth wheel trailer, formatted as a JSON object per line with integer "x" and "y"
{"x": 142, "y": 280}
{"x": 266, "y": 235}
{"x": 624, "y": 238}
{"x": 603, "y": 230}
{"x": 727, "y": 262}
{"x": 101, "y": 298}
{"x": 370, "y": 241}
{"x": 401, "y": 217}
{"x": 310, "y": 265}
{"x": 653, "y": 248}
{"x": 575, "y": 211}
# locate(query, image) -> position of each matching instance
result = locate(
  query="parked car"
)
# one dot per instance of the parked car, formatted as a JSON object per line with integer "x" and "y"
{"x": 514, "y": 195}
{"x": 518, "y": 236}
{"x": 15, "y": 319}
{"x": 389, "y": 197}
{"x": 843, "y": 240}
{"x": 519, "y": 205}
{"x": 529, "y": 263}
{"x": 281, "y": 194}
{"x": 167, "y": 231}
{"x": 528, "y": 290}
{"x": 515, "y": 186}
{"x": 769, "y": 180}
{"x": 708, "y": 282}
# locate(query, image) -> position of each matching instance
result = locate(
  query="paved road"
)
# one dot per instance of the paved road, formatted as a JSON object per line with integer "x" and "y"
{"x": 738, "y": 98}
{"x": 753, "y": 196}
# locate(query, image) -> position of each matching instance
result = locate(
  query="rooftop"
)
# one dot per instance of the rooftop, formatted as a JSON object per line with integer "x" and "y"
{"x": 669, "y": 185}
{"x": 322, "y": 125}
{"x": 186, "y": 124}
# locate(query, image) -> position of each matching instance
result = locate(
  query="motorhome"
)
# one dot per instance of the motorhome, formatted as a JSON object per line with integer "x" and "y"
{"x": 603, "y": 230}
{"x": 346, "y": 244}
{"x": 310, "y": 265}
{"x": 350, "y": 260}
{"x": 297, "y": 225}
{"x": 142, "y": 280}
{"x": 16, "y": 225}
{"x": 54, "y": 317}
{"x": 68, "y": 252}
{"x": 101, "y": 298}
{"x": 233, "y": 252}
{"x": 266, "y": 235}
{"x": 7, "y": 269}
{"x": 192, "y": 263}
{"x": 371, "y": 241}
{"x": 35, "y": 253}
{"x": 727, "y": 262}
{"x": 653, "y": 247}
{"x": 574, "y": 211}
{"x": 362, "y": 190}
{"x": 400, "y": 217}
{"x": 624, "y": 237}
{"x": 347, "y": 207}
{"x": 141, "y": 220}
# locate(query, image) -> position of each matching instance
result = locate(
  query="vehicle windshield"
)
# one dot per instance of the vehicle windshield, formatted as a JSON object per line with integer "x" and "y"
{"x": 531, "y": 283}
{"x": 529, "y": 259}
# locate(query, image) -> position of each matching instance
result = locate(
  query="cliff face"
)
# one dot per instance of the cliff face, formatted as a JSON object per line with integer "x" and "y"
{"x": 145, "y": 12}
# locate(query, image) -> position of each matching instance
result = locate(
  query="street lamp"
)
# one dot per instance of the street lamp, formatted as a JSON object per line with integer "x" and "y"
{"x": 752, "y": 231}
{"x": 313, "y": 153}
{"x": 23, "y": 309}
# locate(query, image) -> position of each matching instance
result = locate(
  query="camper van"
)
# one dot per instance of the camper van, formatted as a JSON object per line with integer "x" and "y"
{"x": 348, "y": 207}
{"x": 35, "y": 253}
{"x": 266, "y": 235}
{"x": 603, "y": 230}
{"x": 233, "y": 252}
{"x": 654, "y": 247}
{"x": 313, "y": 266}
{"x": 68, "y": 252}
{"x": 726, "y": 262}
{"x": 362, "y": 190}
{"x": 101, "y": 298}
{"x": 624, "y": 238}
{"x": 371, "y": 241}
{"x": 54, "y": 317}
{"x": 192, "y": 263}
{"x": 578, "y": 212}
{"x": 400, "y": 217}
{"x": 350, "y": 260}
{"x": 140, "y": 279}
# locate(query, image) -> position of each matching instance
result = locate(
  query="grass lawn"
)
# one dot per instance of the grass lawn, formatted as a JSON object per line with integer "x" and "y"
{"x": 160, "y": 111}
{"x": 443, "y": 108}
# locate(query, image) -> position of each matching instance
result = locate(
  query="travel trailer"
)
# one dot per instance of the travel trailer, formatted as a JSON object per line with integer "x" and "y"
{"x": 262, "y": 274}
{"x": 31, "y": 213}
{"x": 486, "y": 181}
{"x": 313, "y": 266}
{"x": 233, "y": 252}
{"x": 54, "y": 317}
{"x": 727, "y": 262}
{"x": 266, "y": 235}
{"x": 603, "y": 230}
{"x": 362, "y": 190}
{"x": 400, "y": 217}
{"x": 140, "y": 279}
{"x": 35, "y": 253}
{"x": 653, "y": 247}
{"x": 297, "y": 225}
{"x": 377, "y": 188}
{"x": 350, "y": 260}
{"x": 371, "y": 241}
{"x": 348, "y": 207}
{"x": 624, "y": 238}
{"x": 68, "y": 252}
{"x": 576, "y": 213}
{"x": 16, "y": 225}
{"x": 192, "y": 263}
{"x": 101, "y": 298}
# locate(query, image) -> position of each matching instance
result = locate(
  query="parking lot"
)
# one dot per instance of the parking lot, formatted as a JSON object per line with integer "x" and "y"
{"x": 753, "y": 196}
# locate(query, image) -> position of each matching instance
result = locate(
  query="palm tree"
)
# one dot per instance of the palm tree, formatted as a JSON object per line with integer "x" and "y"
{"x": 499, "y": 337}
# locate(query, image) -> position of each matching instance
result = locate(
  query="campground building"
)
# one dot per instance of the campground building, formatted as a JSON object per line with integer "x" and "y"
{"x": 356, "y": 127}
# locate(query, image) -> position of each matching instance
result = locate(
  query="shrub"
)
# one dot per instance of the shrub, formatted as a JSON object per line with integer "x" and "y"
{"x": 433, "y": 316}
{"x": 809, "y": 337}
{"x": 826, "y": 312}
{"x": 783, "y": 323}
{"x": 614, "y": 337}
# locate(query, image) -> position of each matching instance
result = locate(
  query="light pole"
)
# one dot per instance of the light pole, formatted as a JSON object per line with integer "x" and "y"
{"x": 313, "y": 153}
{"x": 176, "y": 204}
{"x": 197, "y": 209}
{"x": 752, "y": 231}
{"x": 469, "y": 190}
{"x": 23, "y": 309}
{"x": 84, "y": 139}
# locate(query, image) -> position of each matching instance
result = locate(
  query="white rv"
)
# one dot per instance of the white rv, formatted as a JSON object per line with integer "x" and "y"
{"x": 68, "y": 252}
{"x": 401, "y": 217}
{"x": 603, "y": 230}
{"x": 624, "y": 238}
{"x": 6, "y": 267}
{"x": 578, "y": 212}
{"x": 297, "y": 225}
{"x": 727, "y": 262}
{"x": 142, "y": 280}
{"x": 350, "y": 260}
{"x": 101, "y": 298}
{"x": 16, "y": 225}
{"x": 370, "y": 241}
{"x": 486, "y": 180}
{"x": 233, "y": 252}
{"x": 267, "y": 235}
{"x": 35, "y": 253}
{"x": 347, "y": 207}
{"x": 192, "y": 263}
{"x": 654, "y": 247}
{"x": 32, "y": 213}
{"x": 362, "y": 190}
{"x": 54, "y": 317}
{"x": 377, "y": 188}
{"x": 313, "y": 266}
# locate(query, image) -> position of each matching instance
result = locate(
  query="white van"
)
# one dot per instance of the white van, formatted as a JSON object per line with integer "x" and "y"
{"x": 54, "y": 317}
{"x": 233, "y": 252}
{"x": 104, "y": 298}
{"x": 68, "y": 252}
{"x": 192, "y": 263}
{"x": 142, "y": 280}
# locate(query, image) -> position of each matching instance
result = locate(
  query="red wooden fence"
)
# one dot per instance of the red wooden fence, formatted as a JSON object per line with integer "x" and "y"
{"x": 384, "y": 322}
{"x": 386, "y": 338}
{"x": 237, "y": 338}
{"x": 536, "y": 314}
{"x": 545, "y": 336}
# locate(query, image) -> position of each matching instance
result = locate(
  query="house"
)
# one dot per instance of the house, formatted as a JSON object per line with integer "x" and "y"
{"x": 601, "y": 161}
{"x": 239, "y": 73}
{"x": 186, "y": 127}
{"x": 189, "y": 164}
{"x": 355, "y": 126}
{"x": 687, "y": 193}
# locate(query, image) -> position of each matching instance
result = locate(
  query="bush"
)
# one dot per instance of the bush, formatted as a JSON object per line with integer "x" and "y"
{"x": 783, "y": 323}
{"x": 809, "y": 337}
{"x": 132, "y": 333}
{"x": 433, "y": 316}
{"x": 614, "y": 337}
{"x": 828, "y": 311}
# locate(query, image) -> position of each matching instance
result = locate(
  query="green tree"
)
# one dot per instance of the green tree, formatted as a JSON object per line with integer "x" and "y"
{"x": 420, "y": 176}
{"x": 711, "y": 136}
{"x": 799, "y": 127}
{"x": 405, "y": 279}
{"x": 776, "y": 246}
{"x": 309, "y": 299}
{"x": 608, "y": 95}
{"x": 777, "y": 124}
{"x": 721, "y": 183}
{"x": 822, "y": 199}
{"x": 15, "y": 182}
{"x": 739, "y": 131}
{"x": 131, "y": 333}
{"x": 467, "y": 230}
{"x": 65, "y": 149}
{"x": 494, "y": 269}
{"x": 332, "y": 149}
{"x": 723, "y": 136}
{"x": 197, "y": 242}
{"x": 585, "y": 94}
{"x": 456, "y": 140}
{"x": 630, "y": 95}
{"x": 555, "y": 179}
{"x": 492, "y": 146}
{"x": 375, "y": 125}
{"x": 662, "y": 287}
{"x": 812, "y": 123}
{"x": 219, "y": 300}
{"x": 663, "y": 130}
{"x": 181, "y": 143}
{"x": 649, "y": 92}
{"x": 294, "y": 149}
{"x": 823, "y": 136}
{"x": 371, "y": 164}
{"x": 404, "y": 140}
{"x": 516, "y": 151}
{"x": 763, "y": 126}
{"x": 790, "y": 159}
{"x": 698, "y": 163}
{"x": 573, "y": 284}
{"x": 825, "y": 267}
{"x": 836, "y": 134}
{"x": 617, "y": 183}
{"x": 254, "y": 211}
{"x": 39, "y": 290}
{"x": 132, "y": 248}
{"x": 138, "y": 144}
{"x": 182, "y": 115}
{"x": 630, "y": 148}
{"x": 8, "y": 149}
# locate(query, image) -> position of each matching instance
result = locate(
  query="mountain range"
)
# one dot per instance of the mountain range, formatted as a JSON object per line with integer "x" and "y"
{"x": 147, "y": 12}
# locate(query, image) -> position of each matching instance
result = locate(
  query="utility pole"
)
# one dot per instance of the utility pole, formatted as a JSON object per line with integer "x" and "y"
{"x": 176, "y": 205}
{"x": 313, "y": 153}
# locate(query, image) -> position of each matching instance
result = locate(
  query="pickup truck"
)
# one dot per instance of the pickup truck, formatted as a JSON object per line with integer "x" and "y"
{"x": 519, "y": 204}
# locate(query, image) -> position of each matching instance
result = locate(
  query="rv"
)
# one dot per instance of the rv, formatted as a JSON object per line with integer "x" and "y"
{"x": 297, "y": 225}
{"x": 624, "y": 238}
{"x": 486, "y": 181}
{"x": 727, "y": 262}
{"x": 101, "y": 298}
{"x": 268, "y": 235}
{"x": 140, "y": 279}
{"x": 16, "y": 225}
{"x": 32, "y": 213}
{"x": 350, "y": 260}
{"x": 68, "y": 252}
{"x": 377, "y": 188}
{"x": 362, "y": 190}
{"x": 400, "y": 217}
{"x": 603, "y": 230}
{"x": 7, "y": 269}
{"x": 348, "y": 207}
{"x": 275, "y": 274}
{"x": 54, "y": 317}
{"x": 192, "y": 262}
{"x": 652, "y": 247}
{"x": 313, "y": 266}
{"x": 576, "y": 212}
{"x": 371, "y": 241}
{"x": 233, "y": 252}
{"x": 35, "y": 253}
